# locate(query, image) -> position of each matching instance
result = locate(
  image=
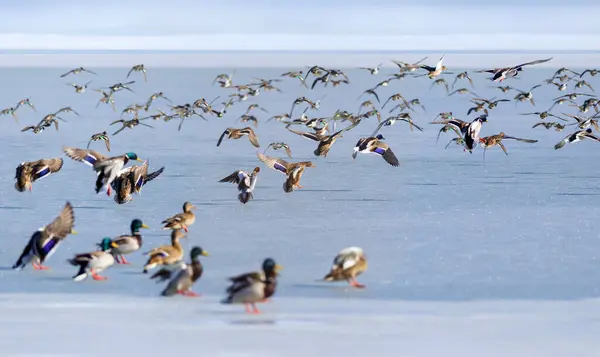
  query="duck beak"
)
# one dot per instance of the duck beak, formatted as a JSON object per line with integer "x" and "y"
{"x": 144, "y": 225}
{"x": 278, "y": 268}
{"x": 204, "y": 253}
{"x": 73, "y": 231}
{"x": 138, "y": 159}
{"x": 114, "y": 245}
{"x": 193, "y": 207}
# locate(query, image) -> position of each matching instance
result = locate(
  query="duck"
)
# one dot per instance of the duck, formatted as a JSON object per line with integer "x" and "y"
{"x": 132, "y": 180}
{"x": 166, "y": 254}
{"x": 245, "y": 181}
{"x": 577, "y": 136}
{"x": 281, "y": 165}
{"x": 138, "y": 68}
{"x": 29, "y": 172}
{"x": 94, "y": 262}
{"x": 433, "y": 72}
{"x": 293, "y": 179}
{"x": 103, "y": 136}
{"x": 233, "y": 133}
{"x": 254, "y": 287}
{"x": 109, "y": 169}
{"x": 127, "y": 244}
{"x": 280, "y": 145}
{"x": 373, "y": 144}
{"x": 86, "y": 156}
{"x": 493, "y": 140}
{"x": 44, "y": 242}
{"x": 347, "y": 265}
{"x": 471, "y": 136}
{"x": 500, "y": 74}
{"x": 550, "y": 125}
{"x": 77, "y": 71}
{"x": 182, "y": 279}
{"x": 181, "y": 220}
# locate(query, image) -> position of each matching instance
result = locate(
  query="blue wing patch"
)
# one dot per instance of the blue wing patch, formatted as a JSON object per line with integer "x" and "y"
{"x": 279, "y": 167}
{"x": 89, "y": 159}
{"x": 45, "y": 171}
{"x": 49, "y": 245}
{"x": 380, "y": 151}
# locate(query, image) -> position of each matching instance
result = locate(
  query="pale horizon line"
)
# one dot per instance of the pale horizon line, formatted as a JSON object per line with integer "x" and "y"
{"x": 297, "y": 42}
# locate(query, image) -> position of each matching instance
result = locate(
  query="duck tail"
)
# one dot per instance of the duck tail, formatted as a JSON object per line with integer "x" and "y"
{"x": 150, "y": 265}
{"x": 244, "y": 197}
{"x": 169, "y": 291}
{"x": 226, "y": 300}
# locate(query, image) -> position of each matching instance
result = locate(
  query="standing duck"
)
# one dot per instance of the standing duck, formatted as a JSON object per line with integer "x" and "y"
{"x": 245, "y": 183}
{"x": 94, "y": 262}
{"x": 185, "y": 277}
{"x": 127, "y": 244}
{"x": 347, "y": 265}
{"x": 44, "y": 241}
{"x": 29, "y": 172}
{"x": 181, "y": 220}
{"x": 166, "y": 254}
{"x": 254, "y": 287}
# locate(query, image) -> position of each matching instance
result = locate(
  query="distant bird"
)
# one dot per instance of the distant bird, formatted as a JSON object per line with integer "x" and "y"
{"x": 592, "y": 72}
{"x": 93, "y": 263}
{"x": 77, "y": 71}
{"x": 29, "y": 172}
{"x": 233, "y": 133}
{"x": 463, "y": 91}
{"x": 26, "y": 102}
{"x": 550, "y": 125}
{"x": 78, "y": 88}
{"x": 347, "y": 265}
{"x": 377, "y": 146}
{"x": 181, "y": 220}
{"x": 252, "y": 288}
{"x": 500, "y": 74}
{"x": 166, "y": 254}
{"x": 245, "y": 183}
{"x": 103, "y": 136}
{"x": 372, "y": 70}
{"x": 372, "y": 92}
{"x": 577, "y": 136}
{"x": 182, "y": 279}
{"x": 434, "y": 71}
{"x": 138, "y": 68}
{"x": 130, "y": 124}
{"x": 463, "y": 75}
{"x": 278, "y": 146}
{"x": 409, "y": 67}
{"x": 526, "y": 96}
{"x": 440, "y": 82}
{"x": 44, "y": 242}
{"x": 12, "y": 111}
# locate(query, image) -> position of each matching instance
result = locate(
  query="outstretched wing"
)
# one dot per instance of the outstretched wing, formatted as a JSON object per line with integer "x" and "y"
{"x": 63, "y": 224}
{"x": 274, "y": 163}
{"x": 88, "y": 157}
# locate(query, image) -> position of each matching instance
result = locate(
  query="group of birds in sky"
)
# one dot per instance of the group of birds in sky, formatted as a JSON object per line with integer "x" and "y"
{"x": 113, "y": 176}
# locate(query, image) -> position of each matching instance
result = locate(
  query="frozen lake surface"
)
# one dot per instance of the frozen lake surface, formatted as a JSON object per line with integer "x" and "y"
{"x": 496, "y": 257}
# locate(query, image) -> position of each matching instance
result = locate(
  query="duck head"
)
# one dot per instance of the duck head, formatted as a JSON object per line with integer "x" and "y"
{"x": 196, "y": 252}
{"x": 133, "y": 156}
{"x": 137, "y": 224}
{"x": 107, "y": 244}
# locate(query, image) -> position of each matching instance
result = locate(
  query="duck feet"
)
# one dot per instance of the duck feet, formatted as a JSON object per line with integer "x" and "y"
{"x": 252, "y": 309}
{"x": 185, "y": 228}
{"x": 188, "y": 293}
{"x": 95, "y": 276}
{"x": 356, "y": 284}
{"x": 266, "y": 300}
{"x": 123, "y": 260}
{"x": 37, "y": 266}
{"x": 108, "y": 191}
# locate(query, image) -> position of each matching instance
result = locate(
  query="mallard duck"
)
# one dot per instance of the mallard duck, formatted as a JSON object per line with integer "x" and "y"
{"x": 254, "y": 287}
{"x": 181, "y": 220}
{"x": 293, "y": 179}
{"x": 373, "y": 144}
{"x": 29, "y": 172}
{"x": 132, "y": 180}
{"x": 103, "y": 136}
{"x": 86, "y": 156}
{"x": 577, "y": 136}
{"x": 281, "y": 165}
{"x": 347, "y": 265}
{"x": 184, "y": 277}
{"x": 500, "y": 74}
{"x": 94, "y": 262}
{"x": 77, "y": 71}
{"x": 280, "y": 145}
{"x": 166, "y": 254}
{"x": 471, "y": 135}
{"x": 138, "y": 68}
{"x": 233, "y": 133}
{"x": 109, "y": 169}
{"x": 245, "y": 183}
{"x": 127, "y": 244}
{"x": 44, "y": 241}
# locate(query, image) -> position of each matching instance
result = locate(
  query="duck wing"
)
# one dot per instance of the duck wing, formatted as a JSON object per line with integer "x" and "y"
{"x": 88, "y": 157}
{"x": 274, "y": 163}
{"x": 63, "y": 224}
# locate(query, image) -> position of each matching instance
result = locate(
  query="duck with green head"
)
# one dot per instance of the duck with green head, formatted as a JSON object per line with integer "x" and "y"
{"x": 254, "y": 287}
{"x": 128, "y": 244}
{"x": 94, "y": 262}
{"x": 109, "y": 169}
{"x": 182, "y": 279}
